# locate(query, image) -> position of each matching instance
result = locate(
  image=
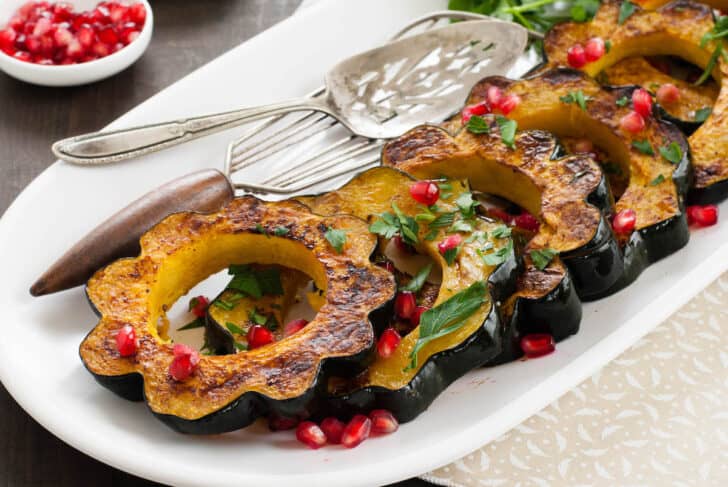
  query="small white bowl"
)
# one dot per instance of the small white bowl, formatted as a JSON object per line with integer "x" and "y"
{"x": 74, "y": 74}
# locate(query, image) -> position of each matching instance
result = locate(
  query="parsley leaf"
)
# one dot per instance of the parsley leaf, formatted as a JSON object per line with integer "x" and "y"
{"x": 507, "y": 130}
{"x": 622, "y": 102}
{"x": 467, "y": 204}
{"x": 448, "y": 316}
{"x": 234, "y": 329}
{"x": 408, "y": 227}
{"x": 443, "y": 220}
{"x": 577, "y": 97}
{"x": 710, "y": 66}
{"x": 280, "y": 231}
{"x": 240, "y": 346}
{"x": 660, "y": 178}
{"x": 500, "y": 255}
{"x": 387, "y": 226}
{"x": 269, "y": 281}
{"x": 260, "y": 229}
{"x": 478, "y": 125}
{"x": 337, "y": 238}
{"x": 542, "y": 257}
{"x": 245, "y": 281}
{"x": 196, "y": 323}
{"x": 418, "y": 280}
{"x": 644, "y": 147}
{"x": 461, "y": 226}
{"x": 625, "y": 11}
{"x": 257, "y": 318}
{"x": 672, "y": 153}
{"x": 501, "y": 231}
{"x": 450, "y": 254}
{"x": 702, "y": 114}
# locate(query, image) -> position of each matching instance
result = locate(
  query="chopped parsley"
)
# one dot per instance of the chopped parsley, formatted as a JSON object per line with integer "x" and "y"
{"x": 672, "y": 153}
{"x": 196, "y": 323}
{"x": 280, "y": 231}
{"x": 337, "y": 238}
{"x": 499, "y": 256}
{"x": 467, "y": 204}
{"x": 388, "y": 225}
{"x": 622, "y": 102}
{"x": 660, "y": 178}
{"x": 702, "y": 114}
{"x": 577, "y": 97}
{"x": 541, "y": 258}
{"x": 501, "y": 231}
{"x": 507, "y": 130}
{"x": 234, "y": 329}
{"x": 478, "y": 125}
{"x": 644, "y": 147}
{"x": 418, "y": 280}
{"x": 625, "y": 11}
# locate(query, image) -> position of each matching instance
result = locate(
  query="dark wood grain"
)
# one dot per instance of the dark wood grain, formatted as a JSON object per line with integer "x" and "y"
{"x": 188, "y": 33}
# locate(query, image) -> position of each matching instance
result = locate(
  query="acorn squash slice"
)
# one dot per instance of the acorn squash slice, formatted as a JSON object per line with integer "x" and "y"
{"x": 569, "y": 195}
{"x": 657, "y": 187}
{"x": 685, "y": 112}
{"x": 398, "y": 383}
{"x": 227, "y": 392}
{"x": 674, "y": 29}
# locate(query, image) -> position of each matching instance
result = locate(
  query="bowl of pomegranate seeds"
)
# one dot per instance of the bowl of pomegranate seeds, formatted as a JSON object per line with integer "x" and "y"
{"x": 72, "y": 42}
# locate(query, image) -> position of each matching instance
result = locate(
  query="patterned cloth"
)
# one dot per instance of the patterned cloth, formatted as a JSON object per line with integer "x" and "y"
{"x": 656, "y": 416}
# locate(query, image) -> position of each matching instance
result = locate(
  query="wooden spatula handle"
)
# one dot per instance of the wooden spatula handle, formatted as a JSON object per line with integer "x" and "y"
{"x": 202, "y": 191}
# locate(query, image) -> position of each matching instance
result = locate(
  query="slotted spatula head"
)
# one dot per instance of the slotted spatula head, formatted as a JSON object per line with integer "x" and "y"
{"x": 382, "y": 93}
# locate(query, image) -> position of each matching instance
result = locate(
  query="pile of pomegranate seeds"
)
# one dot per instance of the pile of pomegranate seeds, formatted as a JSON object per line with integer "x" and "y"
{"x": 334, "y": 432}
{"x": 54, "y": 34}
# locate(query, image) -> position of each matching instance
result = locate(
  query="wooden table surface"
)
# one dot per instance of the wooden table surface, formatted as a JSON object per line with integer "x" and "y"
{"x": 188, "y": 33}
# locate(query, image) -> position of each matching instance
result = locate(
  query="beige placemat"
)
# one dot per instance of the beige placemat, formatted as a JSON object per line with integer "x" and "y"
{"x": 655, "y": 416}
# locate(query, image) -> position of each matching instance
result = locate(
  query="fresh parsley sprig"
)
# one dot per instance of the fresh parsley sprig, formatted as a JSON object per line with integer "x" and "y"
{"x": 447, "y": 317}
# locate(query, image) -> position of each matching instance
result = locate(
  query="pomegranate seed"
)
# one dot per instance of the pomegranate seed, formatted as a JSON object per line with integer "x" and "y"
{"x": 449, "y": 243}
{"x": 100, "y": 49}
{"x": 198, "y": 306}
{"x": 402, "y": 246}
{"x": 388, "y": 342}
{"x": 405, "y": 304}
{"x": 642, "y": 102}
{"x": 74, "y": 50}
{"x": 537, "y": 345}
{"x": 594, "y": 49}
{"x": 509, "y": 103}
{"x": 702, "y": 216}
{"x": 62, "y": 12}
{"x": 310, "y": 435}
{"x": 425, "y": 192}
{"x": 583, "y": 146}
{"x": 23, "y": 56}
{"x": 138, "y": 13}
{"x": 118, "y": 13}
{"x": 62, "y": 37}
{"x": 126, "y": 342}
{"x": 184, "y": 362}
{"x": 576, "y": 56}
{"x": 356, "y": 431}
{"x": 86, "y": 36}
{"x": 417, "y": 314}
{"x": 501, "y": 214}
{"x": 33, "y": 45}
{"x": 258, "y": 336}
{"x": 16, "y": 23}
{"x": 632, "y": 122}
{"x": 527, "y": 222}
{"x": 478, "y": 109}
{"x": 383, "y": 422}
{"x": 107, "y": 35}
{"x": 100, "y": 14}
{"x": 667, "y": 94}
{"x": 7, "y": 39}
{"x": 294, "y": 327}
{"x": 624, "y": 221}
{"x": 281, "y": 423}
{"x": 42, "y": 27}
{"x": 494, "y": 95}
{"x": 333, "y": 429}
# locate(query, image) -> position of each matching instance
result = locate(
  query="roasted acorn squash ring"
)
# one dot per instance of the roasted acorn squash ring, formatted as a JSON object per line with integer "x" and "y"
{"x": 569, "y": 195}
{"x": 228, "y": 392}
{"x": 389, "y": 383}
{"x": 661, "y": 226}
{"x": 674, "y": 29}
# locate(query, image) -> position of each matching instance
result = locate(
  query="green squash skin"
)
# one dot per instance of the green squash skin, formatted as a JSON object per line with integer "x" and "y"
{"x": 715, "y": 193}
{"x": 250, "y": 406}
{"x": 441, "y": 369}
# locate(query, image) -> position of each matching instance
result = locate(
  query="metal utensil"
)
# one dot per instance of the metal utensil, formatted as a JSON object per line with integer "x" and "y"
{"x": 377, "y": 94}
{"x": 208, "y": 190}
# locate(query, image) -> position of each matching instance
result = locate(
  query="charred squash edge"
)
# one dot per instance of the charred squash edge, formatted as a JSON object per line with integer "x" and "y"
{"x": 647, "y": 244}
{"x": 673, "y": 29}
{"x": 238, "y": 219}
